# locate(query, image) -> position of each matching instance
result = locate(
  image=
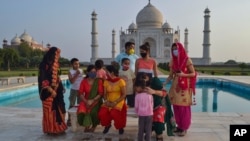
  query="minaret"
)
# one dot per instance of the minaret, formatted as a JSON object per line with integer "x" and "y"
{"x": 206, "y": 38}
{"x": 94, "y": 44}
{"x": 113, "y": 44}
{"x": 186, "y": 40}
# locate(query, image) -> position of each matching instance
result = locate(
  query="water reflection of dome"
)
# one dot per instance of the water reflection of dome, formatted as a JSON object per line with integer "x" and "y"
{"x": 149, "y": 17}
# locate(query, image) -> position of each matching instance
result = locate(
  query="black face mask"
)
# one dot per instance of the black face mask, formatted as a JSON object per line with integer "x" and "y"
{"x": 143, "y": 55}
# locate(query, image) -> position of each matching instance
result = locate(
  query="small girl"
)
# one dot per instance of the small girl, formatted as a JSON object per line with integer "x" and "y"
{"x": 100, "y": 72}
{"x": 143, "y": 108}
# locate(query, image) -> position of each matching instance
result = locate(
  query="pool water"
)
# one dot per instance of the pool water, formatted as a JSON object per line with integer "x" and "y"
{"x": 211, "y": 96}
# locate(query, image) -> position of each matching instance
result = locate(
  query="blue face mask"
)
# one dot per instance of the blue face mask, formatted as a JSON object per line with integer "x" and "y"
{"x": 175, "y": 52}
{"x": 92, "y": 74}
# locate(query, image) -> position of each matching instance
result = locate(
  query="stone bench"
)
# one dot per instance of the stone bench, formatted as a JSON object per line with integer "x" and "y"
{"x": 73, "y": 117}
{"x": 20, "y": 79}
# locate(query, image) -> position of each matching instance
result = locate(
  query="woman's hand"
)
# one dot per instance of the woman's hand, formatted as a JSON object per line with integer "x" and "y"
{"x": 90, "y": 102}
{"x": 149, "y": 90}
{"x": 180, "y": 74}
{"x": 110, "y": 104}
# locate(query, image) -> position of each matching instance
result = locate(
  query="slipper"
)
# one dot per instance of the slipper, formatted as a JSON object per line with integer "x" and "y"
{"x": 68, "y": 123}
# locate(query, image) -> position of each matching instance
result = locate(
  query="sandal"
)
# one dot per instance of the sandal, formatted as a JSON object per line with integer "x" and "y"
{"x": 183, "y": 133}
{"x": 159, "y": 138}
{"x": 92, "y": 129}
{"x": 106, "y": 129}
{"x": 87, "y": 129}
{"x": 68, "y": 123}
{"x": 176, "y": 130}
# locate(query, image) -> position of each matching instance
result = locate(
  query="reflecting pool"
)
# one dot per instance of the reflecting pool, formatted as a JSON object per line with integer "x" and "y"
{"x": 211, "y": 96}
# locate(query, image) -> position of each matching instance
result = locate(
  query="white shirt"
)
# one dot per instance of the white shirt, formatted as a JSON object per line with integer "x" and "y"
{"x": 76, "y": 84}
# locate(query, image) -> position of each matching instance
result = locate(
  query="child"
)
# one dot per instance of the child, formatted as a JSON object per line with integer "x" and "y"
{"x": 143, "y": 108}
{"x": 100, "y": 72}
{"x": 75, "y": 78}
{"x": 127, "y": 74}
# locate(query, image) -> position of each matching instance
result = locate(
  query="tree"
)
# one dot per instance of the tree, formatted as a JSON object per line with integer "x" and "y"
{"x": 35, "y": 60}
{"x": 1, "y": 56}
{"x": 243, "y": 66}
{"x": 10, "y": 56}
{"x": 24, "y": 61}
{"x": 24, "y": 50}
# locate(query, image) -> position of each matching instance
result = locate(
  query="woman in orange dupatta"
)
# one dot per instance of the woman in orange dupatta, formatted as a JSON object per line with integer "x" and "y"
{"x": 183, "y": 74}
{"x": 51, "y": 93}
{"x": 114, "y": 106}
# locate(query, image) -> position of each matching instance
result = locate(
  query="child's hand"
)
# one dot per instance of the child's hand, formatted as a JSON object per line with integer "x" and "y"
{"x": 149, "y": 90}
{"x": 78, "y": 72}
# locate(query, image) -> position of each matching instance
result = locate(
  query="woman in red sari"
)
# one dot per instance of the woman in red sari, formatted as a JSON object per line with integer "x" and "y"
{"x": 91, "y": 91}
{"x": 183, "y": 74}
{"x": 114, "y": 106}
{"x": 51, "y": 93}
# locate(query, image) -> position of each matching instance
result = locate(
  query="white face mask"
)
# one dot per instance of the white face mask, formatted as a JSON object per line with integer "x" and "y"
{"x": 175, "y": 52}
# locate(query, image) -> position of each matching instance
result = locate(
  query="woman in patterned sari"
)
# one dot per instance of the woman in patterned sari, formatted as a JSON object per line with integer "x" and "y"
{"x": 51, "y": 93}
{"x": 183, "y": 74}
{"x": 91, "y": 91}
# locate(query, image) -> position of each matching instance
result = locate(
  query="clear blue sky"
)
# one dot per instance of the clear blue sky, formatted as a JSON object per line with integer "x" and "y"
{"x": 67, "y": 24}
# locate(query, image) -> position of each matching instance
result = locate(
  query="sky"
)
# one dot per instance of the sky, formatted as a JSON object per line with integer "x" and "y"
{"x": 67, "y": 24}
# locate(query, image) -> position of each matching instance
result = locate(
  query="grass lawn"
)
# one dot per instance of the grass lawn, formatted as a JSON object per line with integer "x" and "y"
{"x": 204, "y": 70}
{"x": 28, "y": 72}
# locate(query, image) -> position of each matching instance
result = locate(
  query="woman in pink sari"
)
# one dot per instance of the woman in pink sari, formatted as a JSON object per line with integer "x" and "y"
{"x": 183, "y": 76}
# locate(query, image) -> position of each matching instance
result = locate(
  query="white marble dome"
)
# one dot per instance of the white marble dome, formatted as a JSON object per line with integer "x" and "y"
{"x": 26, "y": 37}
{"x": 132, "y": 26}
{"x": 16, "y": 40}
{"x": 166, "y": 25}
{"x": 149, "y": 17}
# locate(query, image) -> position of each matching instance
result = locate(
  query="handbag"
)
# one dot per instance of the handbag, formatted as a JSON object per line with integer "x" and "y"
{"x": 81, "y": 108}
{"x": 159, "y": 114}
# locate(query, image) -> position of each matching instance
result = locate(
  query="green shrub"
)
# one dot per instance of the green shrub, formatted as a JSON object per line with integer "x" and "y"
{"x": 227, "y": 73}
{"x": 243, "y": 73}
{"x": 33, "y": 74}
{"x": 21, "y": 74}
{"x": 212, "y": 72}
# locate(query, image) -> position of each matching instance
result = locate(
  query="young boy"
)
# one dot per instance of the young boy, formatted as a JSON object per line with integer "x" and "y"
{"x": 128, "y": 75}
{"x": 75, "y": 78}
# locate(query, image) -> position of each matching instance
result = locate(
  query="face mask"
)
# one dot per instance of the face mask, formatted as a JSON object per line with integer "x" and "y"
{"x": 175, "y": 52}
{"x": 91, "y": 74}
{"x": 143, "y": 55}
{"x": 125, "y": 67}
{"x": 131, "y": 51}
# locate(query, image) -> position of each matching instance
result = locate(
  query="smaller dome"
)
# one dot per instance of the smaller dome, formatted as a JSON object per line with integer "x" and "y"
{"x": 34, "y": 41}
{"x": 16, "y": 40}
{"x": 26, "y": 37}
{"x": 132, "y": 26}
{"x": 4, "y": 40}
{"x": 166, "y": 25}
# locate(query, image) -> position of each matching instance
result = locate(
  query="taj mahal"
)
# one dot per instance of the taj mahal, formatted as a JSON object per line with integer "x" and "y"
{"x": 149, "y": 27}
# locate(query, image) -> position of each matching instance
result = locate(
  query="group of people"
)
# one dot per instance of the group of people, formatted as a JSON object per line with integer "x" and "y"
{"x": 105, "y": 93}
